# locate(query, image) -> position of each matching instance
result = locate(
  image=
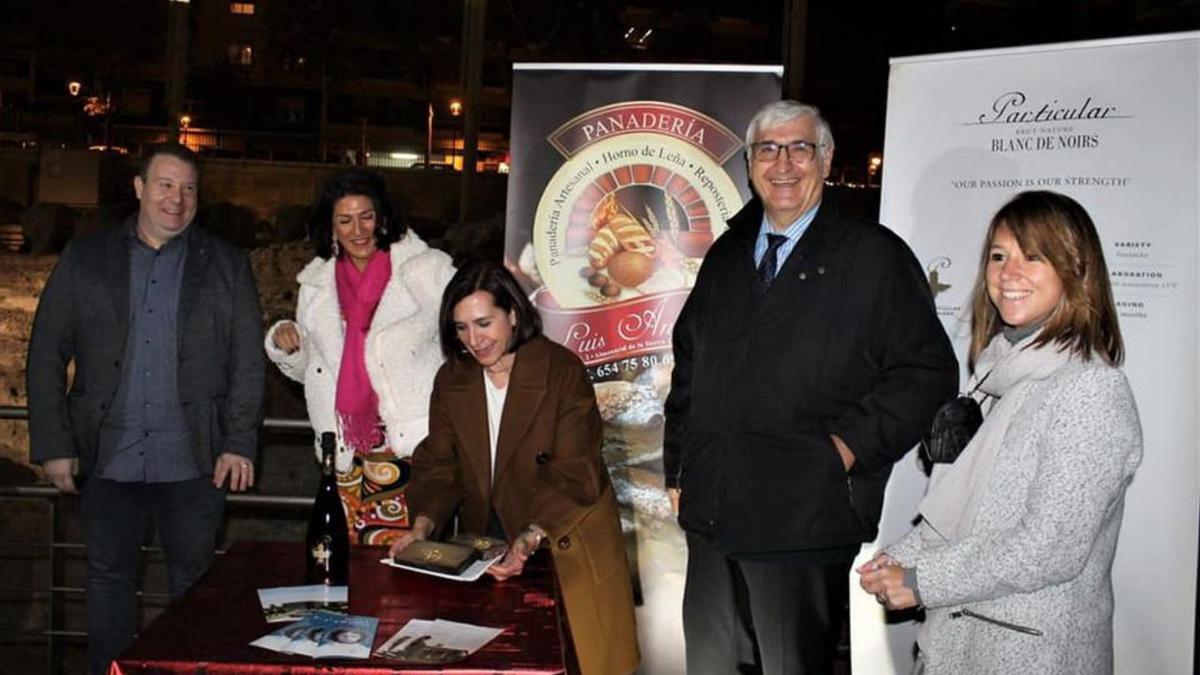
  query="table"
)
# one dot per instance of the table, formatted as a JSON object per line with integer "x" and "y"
{"x": 210, "y": 628}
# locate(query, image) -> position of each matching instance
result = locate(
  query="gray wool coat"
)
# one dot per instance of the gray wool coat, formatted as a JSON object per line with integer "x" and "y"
{"x": 1040, "y": 552}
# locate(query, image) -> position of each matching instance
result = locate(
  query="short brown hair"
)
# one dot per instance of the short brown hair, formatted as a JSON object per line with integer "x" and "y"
{"x": 1061, "y": 231}
{"x": 176, "y": 150}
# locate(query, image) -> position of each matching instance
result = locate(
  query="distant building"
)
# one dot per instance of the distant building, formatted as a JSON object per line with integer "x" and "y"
{"x": 357, "y": 81}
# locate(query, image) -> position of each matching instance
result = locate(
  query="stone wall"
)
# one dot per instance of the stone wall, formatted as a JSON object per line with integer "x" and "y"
{"x": 22, "y": 278}
{"x": 19, "y": 169}
{"x": 269, "y": 187}
{"x": 250, "y": 202}
{"x": 21, "y": 281}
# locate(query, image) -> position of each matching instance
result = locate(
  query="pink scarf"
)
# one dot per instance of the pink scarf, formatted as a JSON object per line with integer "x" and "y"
{"x": 357, "y": 404}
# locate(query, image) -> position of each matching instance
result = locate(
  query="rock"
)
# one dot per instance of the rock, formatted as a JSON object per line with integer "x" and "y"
{"x": 12, "y": 473}
{"x": 236, "y": 223}
{"x": 475, "y": 240}
{"x": 275, "y": 268}
{"x": 22, "y": 278}
{"x": 290, "y": 223}
{"x": 47, "y": 227}
{"x": 106, "y": 216}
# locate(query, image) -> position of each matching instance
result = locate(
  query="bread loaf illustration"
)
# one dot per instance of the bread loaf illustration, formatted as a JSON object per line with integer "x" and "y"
{"x": 630, "y": 269}
{"x": 631, "y": 234}
{"x": 602, "y": 248}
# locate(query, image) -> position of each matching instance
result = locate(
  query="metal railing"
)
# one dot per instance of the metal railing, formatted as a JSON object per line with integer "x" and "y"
{"x": 56, "y": 549}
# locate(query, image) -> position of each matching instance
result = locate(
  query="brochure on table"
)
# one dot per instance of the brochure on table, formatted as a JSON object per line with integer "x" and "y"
{"x": 324, "y": 635}
{"x": 292, "y": 603}
{"x": 436, "y": 642}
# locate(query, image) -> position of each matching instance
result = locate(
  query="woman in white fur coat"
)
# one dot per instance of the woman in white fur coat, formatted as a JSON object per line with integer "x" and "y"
{"x": 1013, "y": 557}
{"x": 365, "y": 346}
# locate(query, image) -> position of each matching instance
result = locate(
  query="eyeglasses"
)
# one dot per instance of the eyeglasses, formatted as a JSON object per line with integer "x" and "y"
{"x": 799, "y": 152}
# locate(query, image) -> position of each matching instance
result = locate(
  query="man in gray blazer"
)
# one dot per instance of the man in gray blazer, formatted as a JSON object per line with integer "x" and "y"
{"x": 162, "y": 324}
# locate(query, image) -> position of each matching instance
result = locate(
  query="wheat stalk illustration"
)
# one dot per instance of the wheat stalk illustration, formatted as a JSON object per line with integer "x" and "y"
{"x": 672, "y": 216}
{"x": 651, "y": 222}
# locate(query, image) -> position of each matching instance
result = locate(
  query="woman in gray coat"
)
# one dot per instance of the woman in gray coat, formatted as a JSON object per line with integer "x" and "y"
{"x": 1013, "y": 553}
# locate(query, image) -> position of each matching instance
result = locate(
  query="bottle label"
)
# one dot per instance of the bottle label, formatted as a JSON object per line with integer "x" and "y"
{"x": 322, "y": 552}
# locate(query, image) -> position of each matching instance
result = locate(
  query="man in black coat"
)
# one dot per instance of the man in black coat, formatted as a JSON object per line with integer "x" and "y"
{"x": 162, "y": 324}
{"x": 808, "y": 359}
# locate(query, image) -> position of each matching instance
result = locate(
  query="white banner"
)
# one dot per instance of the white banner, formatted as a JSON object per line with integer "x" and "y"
{"x": 1116, "y": 125}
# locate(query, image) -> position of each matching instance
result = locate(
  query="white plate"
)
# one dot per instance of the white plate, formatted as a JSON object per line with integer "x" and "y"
{"x": 473, "y": 571}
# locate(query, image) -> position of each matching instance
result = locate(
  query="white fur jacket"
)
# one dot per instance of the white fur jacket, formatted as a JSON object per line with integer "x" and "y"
{"x": 402, "y": 350}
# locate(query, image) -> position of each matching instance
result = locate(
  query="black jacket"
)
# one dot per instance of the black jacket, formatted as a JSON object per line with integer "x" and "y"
{"x": 83, "y": 317}
{"x": 845, "y": 342}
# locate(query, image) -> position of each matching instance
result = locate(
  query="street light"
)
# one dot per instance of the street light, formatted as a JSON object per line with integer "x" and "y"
{"x": 185, "y": 121}
{"x": 429, "y": 139}
{"x": 456, "y": 108}
{"x": 874, "y": 164}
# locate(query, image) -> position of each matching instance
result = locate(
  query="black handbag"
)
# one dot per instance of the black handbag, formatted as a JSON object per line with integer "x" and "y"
{"x": 954, "y": 424}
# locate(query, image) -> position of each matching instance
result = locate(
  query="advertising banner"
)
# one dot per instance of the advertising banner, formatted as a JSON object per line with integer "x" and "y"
{"x": 1115, "y": 124}
{"x": 622, "y": 177}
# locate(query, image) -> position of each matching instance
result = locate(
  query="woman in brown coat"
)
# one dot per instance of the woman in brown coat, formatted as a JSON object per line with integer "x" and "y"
{"x": 514, "y": 448}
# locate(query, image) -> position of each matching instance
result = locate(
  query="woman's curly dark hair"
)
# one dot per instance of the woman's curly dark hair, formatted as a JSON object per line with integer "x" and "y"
{"x": 389, "y": 227}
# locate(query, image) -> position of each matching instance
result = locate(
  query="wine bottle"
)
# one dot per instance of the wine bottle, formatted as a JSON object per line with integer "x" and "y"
{"x": 327, "y": 546}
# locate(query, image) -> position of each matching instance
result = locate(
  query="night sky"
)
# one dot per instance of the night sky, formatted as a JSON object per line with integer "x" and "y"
{"x": 119, "y": 44}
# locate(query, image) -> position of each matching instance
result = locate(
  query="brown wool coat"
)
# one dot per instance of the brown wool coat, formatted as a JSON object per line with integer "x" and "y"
{"x": 549, "y": 472}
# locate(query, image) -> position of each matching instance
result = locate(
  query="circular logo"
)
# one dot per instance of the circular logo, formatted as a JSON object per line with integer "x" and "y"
{"x": 630, "y": 217}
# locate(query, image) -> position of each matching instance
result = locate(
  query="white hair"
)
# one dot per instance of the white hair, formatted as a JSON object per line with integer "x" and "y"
{"x": 781, "y": 112}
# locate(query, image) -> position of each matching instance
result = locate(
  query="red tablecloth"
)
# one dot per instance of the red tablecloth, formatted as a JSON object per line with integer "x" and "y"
{"x": 209, "y": 629}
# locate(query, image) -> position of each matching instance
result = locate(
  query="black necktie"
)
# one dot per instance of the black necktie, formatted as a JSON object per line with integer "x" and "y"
{"x": 766, "y": 267}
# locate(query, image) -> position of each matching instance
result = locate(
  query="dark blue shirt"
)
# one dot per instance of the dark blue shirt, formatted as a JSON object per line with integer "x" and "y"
{"x": 144, "y": 437}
